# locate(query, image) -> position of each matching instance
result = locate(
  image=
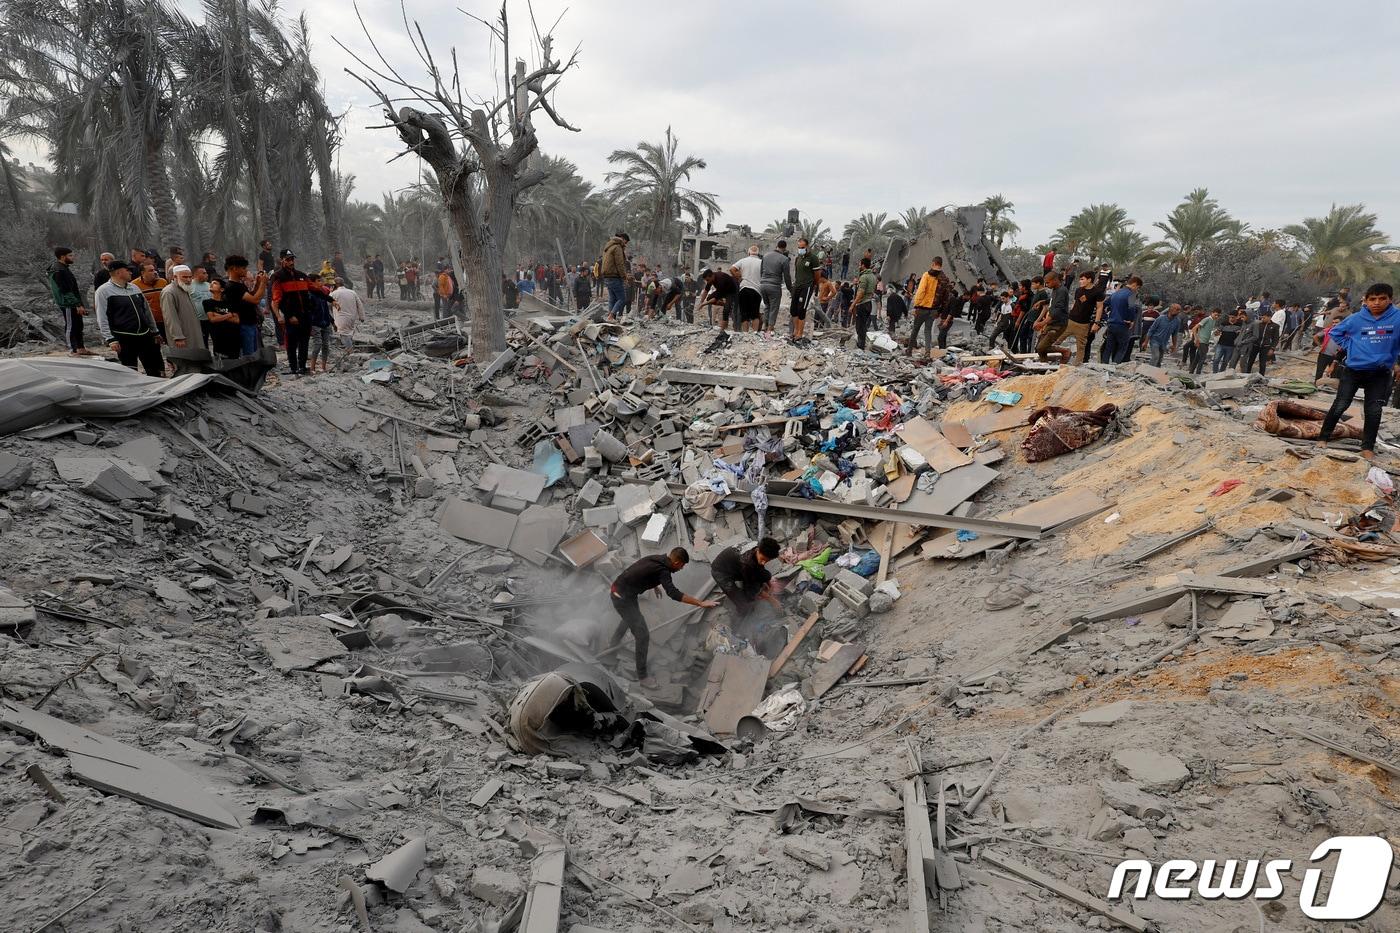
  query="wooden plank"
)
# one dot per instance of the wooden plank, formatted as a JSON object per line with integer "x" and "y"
{"x": 996, "y": 421}
{"x": 1340, "y": 749}
{"x": 827, "y": 676}
{"x": 884, "y": 546}
{"x": 900, "y": 489}
{"x": 918, "y": 842}
{"x": 940, "y": 453}
{"x": 1208, "y": 583}
{"x": 759, "y": 423}
{"x": 1083, "y": 899}
{"x": 905, "y": 536}
{"x": 956, "y": 433}
{"x": 1057, "y": 511}
{"x": 792, "y": 645}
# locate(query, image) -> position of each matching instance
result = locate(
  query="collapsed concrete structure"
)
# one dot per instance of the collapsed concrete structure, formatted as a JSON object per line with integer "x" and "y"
{"x": 959, "y": 236}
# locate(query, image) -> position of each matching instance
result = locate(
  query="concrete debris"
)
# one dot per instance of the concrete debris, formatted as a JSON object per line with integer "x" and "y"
{"x": 363, "y": 607}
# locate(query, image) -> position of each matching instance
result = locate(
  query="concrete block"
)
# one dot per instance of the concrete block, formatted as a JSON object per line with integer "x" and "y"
{"x": 600, "y": 517}
{"x": 592, "y": 459}
{"x": 661, "y": 494}
{"x": 590, "y": 492}
{"x": 862, "y": 585}
{"x": 101, "y": 478}
{"x": 669, "y": 442}
{"x": 612, "y": 449}
{"x": 508, "y": 503}
{"x": 857, "y": 603}
{"x": 249, "y": 504}
{"x": 496, "y": 886}
{"x": 503, "y": 359}
{"x": 655, "y": 530}
{"x": 633, "y": 503}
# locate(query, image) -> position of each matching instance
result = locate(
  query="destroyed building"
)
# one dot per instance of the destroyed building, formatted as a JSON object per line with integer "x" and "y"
{"x": 959, "y": 236}
{"x": 337, "y": 655}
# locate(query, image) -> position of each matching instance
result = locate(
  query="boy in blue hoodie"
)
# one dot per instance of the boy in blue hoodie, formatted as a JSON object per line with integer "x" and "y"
{"x": 1370, "y": 338}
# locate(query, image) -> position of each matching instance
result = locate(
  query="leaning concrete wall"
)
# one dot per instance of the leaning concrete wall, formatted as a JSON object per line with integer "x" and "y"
{"x": 957, "y": 236}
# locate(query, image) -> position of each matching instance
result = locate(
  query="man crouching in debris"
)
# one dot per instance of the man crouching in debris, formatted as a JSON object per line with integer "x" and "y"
{"x": 647, "y": 574}
{"x": 744, "y": 581}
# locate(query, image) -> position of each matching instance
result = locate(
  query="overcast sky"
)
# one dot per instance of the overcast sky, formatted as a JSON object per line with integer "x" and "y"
{"x": 1279, "y": 108}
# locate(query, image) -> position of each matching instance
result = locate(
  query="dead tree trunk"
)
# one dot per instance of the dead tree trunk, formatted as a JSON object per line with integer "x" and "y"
{"x": 481, "y": 181}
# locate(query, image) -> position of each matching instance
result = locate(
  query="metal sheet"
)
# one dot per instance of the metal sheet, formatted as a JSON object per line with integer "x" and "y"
{"x": 40, "y": 389}
{"x": 117, "y": 768}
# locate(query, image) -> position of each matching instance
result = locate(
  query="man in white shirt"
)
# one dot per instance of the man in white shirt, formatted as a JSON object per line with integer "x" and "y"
{"x": 749, "y": 272}
{"x": 348, "y": 310}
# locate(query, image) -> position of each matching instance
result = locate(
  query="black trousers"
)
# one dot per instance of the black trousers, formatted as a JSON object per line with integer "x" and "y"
{"x": 863, "y": 311}
{"x": 945, "y": 324}
{"x": 1376, "y": 384}
{"x": 1323, "y": 361}
{"x": 73, "y": 328}
{"x": 298, "y": 338}
{"x": 632, "y": 621}
{"x": 143, "y": 348}
{"x": 923, "y": 317}
{"x": 1257, "y": 353}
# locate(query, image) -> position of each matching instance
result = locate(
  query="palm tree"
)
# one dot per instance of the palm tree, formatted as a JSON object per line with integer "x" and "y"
{"x": 999, "y": 222}
{"x": 1196, "y": 222}
{"x": 913, "y": 221}
{"x": 1123, "y": 247}
{"x": 652, "y": 178}
{"x": 1340, "y": 247}
{"x": 1090, "y": 229}
{"x": 776, "y": 228}
{"x": 101, "y": 92}
{"x": 870, "y": 230}
{"x": 814, "y": 231}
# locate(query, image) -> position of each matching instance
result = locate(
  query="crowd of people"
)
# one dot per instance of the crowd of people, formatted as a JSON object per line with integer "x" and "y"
{"x": 146, "y": 306}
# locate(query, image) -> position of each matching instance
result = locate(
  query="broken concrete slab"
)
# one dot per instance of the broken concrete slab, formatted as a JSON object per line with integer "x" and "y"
{"x": 14, "y": 471}
{"x": 512, "y": 483}
{"x": 118, "y": 768}
{"x": 538, "y": 531}
{"x": 1132, "y": 800}
{"x": 101, "y": 478}
{"x": 711, "y": 377}
{"x": 295, "y": 642}
{"x": 496, "y": 886}
{"x": 247, "y": 503}
{"x": 496, "y": 366}
{"x": 735, "y": 686}
{"x": 1152, "y": 770}
{"x": 1106, "y": 715}
{"x": 343, "y": 418}
{"x": 397, "y": 870}
{"x": 472, "y": 521}
{"x": 147, "y": 450}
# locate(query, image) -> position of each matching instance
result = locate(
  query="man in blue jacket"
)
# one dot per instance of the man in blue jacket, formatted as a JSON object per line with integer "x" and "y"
{"x": 1371, "y": 340}
{"x": 1118, "y": 317}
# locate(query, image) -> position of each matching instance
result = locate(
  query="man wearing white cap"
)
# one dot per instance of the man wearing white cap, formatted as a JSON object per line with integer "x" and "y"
{"x": 177, "y": 308}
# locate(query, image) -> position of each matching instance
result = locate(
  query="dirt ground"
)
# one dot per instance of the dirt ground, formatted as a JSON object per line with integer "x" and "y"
{"x": 345, "y": 770}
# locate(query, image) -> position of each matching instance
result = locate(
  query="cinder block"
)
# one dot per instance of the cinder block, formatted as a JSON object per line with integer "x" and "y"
{"x": 600, "y": 517}
{"x": 655, "y": 530}
{"x": 862, "y": 585}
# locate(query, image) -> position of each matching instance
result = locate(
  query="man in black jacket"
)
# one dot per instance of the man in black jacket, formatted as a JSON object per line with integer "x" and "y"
{"x": 743, "y": 579}
{"x": 648, "y": 573}
{"x": 292, "y": 297}
{"x": 69, "y": 298}
{"x": 127, "y": 324}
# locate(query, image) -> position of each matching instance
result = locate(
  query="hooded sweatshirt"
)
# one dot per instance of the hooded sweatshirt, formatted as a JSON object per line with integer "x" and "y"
{"x": 1371, "y": 343}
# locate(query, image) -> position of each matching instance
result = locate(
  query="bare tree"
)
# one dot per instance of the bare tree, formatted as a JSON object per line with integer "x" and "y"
{"x": 478, "y": 148}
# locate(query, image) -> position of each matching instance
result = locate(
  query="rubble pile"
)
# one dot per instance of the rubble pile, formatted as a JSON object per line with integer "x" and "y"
{"x": 339, "y": 655}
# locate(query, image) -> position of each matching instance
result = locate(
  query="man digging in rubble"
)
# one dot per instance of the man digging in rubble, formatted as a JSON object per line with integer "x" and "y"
{"x": 1370, "y": 338}
{"x": 647, "y": 574}
{"x": 744, "y": 581}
